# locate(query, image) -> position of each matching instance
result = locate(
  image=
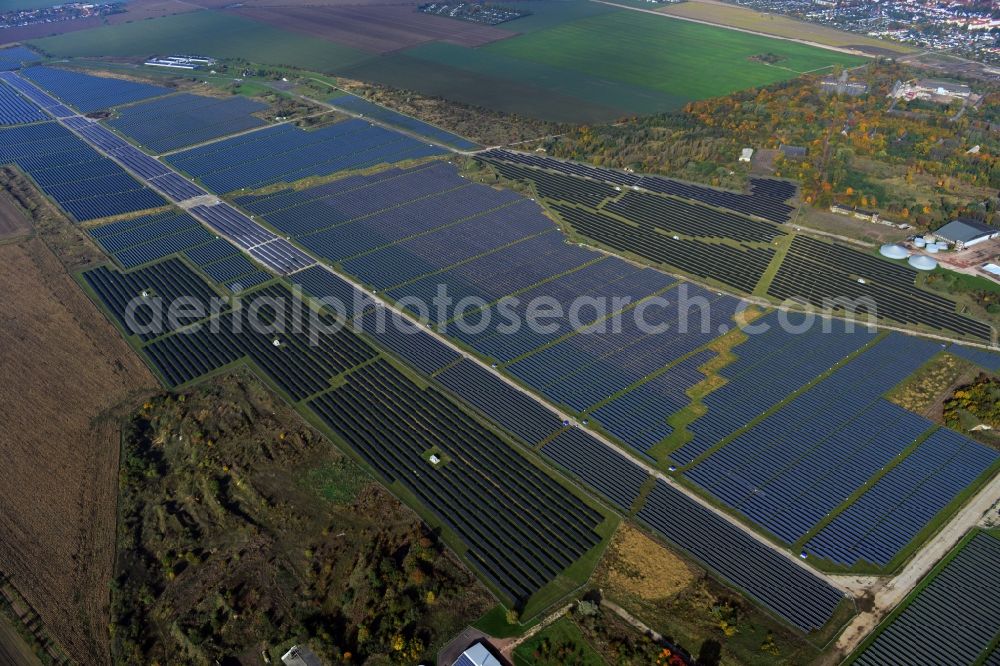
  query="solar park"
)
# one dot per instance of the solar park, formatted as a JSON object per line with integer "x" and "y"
{"x": 285, "y": 153}
{"x": 169, "y": 123}
{"x": 958, "y": 601}
{"x": 782, "y": 449}
{"x": 358, "y": 105}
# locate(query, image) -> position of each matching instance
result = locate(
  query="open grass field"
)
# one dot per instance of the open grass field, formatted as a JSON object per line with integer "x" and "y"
{"x": 449, "y": 81}
{"x": 60, "y": 447}
{"x": 684, "y": 59}
{"x": 726, "y": 14}
{"x": 561, "y": 643}
{"x": 574, "y": 64}
{"x": 222, "y": 35}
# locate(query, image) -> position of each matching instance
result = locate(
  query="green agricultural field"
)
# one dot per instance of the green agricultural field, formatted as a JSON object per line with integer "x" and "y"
{"x": 625, "y": 98}
{"x": 510, "y": 95}
{"x": 683, "y": 59}
{"x": 222, "y": 36}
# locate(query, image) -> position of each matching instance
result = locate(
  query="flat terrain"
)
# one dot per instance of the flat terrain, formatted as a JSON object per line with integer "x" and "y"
{"x": 222, "y": 35}
{"x": 744, "y": 18}
{"x": 13, "y": 649}
{"x": 13, "y": 222}
{"x": 136, "y": 10}
{"x": 685, "y": 59}
{"x": 374, "y": 29}
{"x": 581, "y": 66}
{"x": 66, "y": 368}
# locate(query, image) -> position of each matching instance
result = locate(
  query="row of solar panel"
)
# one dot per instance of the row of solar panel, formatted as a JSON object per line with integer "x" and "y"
{"x": 787, "y": 448}
{"x": 15, "y": 110}
{"x": 181, "y": 120}
{"x": 877, "y": 526}
{"x": 371, "y": 110}
{"x": 90, "y": 93}
{"x": 761, "y": 203}
{"x": 286, "y": 153}
{"x": 782, "y": 354}
{"x": 954, "y": 619}
{"x": 60, "y": 160}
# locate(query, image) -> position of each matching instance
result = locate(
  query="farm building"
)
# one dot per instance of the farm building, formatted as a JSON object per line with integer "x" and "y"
{"x": 931, "y": 89}
{"x": 965, "y": 232}
{"x": 477, "y": 655}
{"x": 792, "y": 152}
{"x": 746, "y": 154}
{"x": 299, "y": 655}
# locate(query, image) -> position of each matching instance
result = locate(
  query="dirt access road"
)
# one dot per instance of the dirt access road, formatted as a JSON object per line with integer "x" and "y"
{"x": 889, "y": 594}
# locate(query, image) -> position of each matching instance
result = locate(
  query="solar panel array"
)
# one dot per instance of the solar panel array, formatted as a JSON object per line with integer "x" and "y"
{"x": 144, "y": 239}
{"x": 775, "y": 361}
{"x": 740, "y": 267}
{"x": 793, "y": 468}
{"x": 503, "y": 403}
{"x": 387, "y": 206}
{"x": 274, "y": 252}
{"x": 15, "y": 110}
{"x": 767, "y": 202}
{"x": 818, "y": 272}
{"x": 790, "y": 591}
{"x": 183, "y": 119}
{"x": 521, "y": 528}
{"x": 599, "y": 361}
{"x": 493, "y": 276}
{"x": 879, "y": 524}
{"x": 129, "y": 296}
{"x": 84, "y": 183}
{"x": 90, "y": 93}
{"x": 639, "y": 417}
{"x": 407, "y": 339}
{"x": 984, "y": 359}
{"x": 677, "y": 216}
{"x": 610, "y": 473}
{"x": 333, "y": 290}
{"x": 556, "y": 186}
{"x": 15, "y": 56}
{"x": 361, "y": 106}
{"x": 595, "y": 284}
{"x": 285, "y": 153}
{"x": 955, "y": 619}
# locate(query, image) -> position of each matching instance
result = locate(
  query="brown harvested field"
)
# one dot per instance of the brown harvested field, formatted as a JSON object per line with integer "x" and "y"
{"x": 66, "y": 372}
{"x": 376, "y": 29}
{"x": 13, "y": 221}
{"x": 138, "y": 10}
{"x": 25, "y": 32}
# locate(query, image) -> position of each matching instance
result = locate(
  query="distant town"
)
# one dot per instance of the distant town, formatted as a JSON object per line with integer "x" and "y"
{"x": 57, "y": 13}
{"x": 968, "y": 29}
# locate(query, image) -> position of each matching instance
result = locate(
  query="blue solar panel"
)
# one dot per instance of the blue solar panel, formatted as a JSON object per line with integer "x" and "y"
{"x": 15, "y": 56}
{"x": 792, "y": 592}
{"x": 15, "y": 110}
{"x": 286, "y": 153}
{"x": 180, "y": 120}
{"x": 981, "y": 357}
{"x": 772, "y": 364}
{"x": 390, "y": 117}
{"x": 877, "y": 526}
{"x": 83, "y": 182}
{"x": 610, "y": 473}
{"x": 90, "y": 93}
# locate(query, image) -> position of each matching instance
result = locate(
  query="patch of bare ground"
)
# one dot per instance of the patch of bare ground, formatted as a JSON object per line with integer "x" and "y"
{"x": 67, "y": 372}
{"x": 13, "y": 221}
